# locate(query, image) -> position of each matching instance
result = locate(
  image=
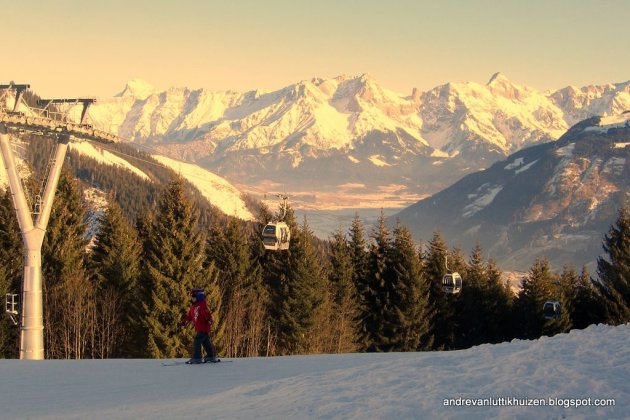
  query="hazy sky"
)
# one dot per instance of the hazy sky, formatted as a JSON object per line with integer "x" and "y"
{"x": 67, "y": 48}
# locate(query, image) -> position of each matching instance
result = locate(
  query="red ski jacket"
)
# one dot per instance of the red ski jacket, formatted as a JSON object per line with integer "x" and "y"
{"x": 200, "y": 316}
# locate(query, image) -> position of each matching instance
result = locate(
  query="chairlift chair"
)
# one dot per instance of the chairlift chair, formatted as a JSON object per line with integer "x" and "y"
{"x": 551, "y": 309}
{"x": 452, "y": 283}
{"x": 276, "y": 236}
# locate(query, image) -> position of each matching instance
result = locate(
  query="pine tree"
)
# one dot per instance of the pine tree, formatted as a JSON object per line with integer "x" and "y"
{"x": 540, "y": 286}
{"x": 10, "y": 270}
{"x": 115, "y": 269}
{"x": 376, "y": 294}
{"x": 586, "y": 308}
{"x": 499, "y": 313}
{"x": 175, "y": 257}
{"x": 359, "y": 257}
{"x": 10, "y": 242}
{"x": 240, "y": 281}
{"x": 345, "y": 310}
{"x": 614, "y": 271}
{"x": 409, "y": 312}
{"x": 276, "y": 274}
{"x": 304, "y": 293}
{"x": 68, "y": 292}
{"x": 483, "y": 310}
{"x": 443, "y": 328}
{"x": 472, "y": 319}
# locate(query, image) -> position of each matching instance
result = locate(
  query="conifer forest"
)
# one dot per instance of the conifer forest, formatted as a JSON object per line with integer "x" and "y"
{"x": 364, "y": 289}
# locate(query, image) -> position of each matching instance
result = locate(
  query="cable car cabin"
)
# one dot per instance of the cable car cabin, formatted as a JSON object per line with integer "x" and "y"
{"x": 551, "y": 309}
{"x": 452, "y": 283}
{"x": 276, "y": 236}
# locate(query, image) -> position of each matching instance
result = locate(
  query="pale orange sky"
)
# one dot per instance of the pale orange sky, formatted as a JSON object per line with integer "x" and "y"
{"x": 68, "y": 48}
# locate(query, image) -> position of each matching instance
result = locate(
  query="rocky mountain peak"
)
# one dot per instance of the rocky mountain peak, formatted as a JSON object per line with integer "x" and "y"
{"x": 137, "y": 88}
{"x": 498, "y": 78}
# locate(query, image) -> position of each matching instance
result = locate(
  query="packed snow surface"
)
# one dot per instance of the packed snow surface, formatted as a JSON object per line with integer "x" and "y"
{"x": 566, "y": 376}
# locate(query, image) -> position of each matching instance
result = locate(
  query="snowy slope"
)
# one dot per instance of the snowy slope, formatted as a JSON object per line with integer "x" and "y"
{"x": 103, "y": 156}
{"x": 215, "y": 189}
{"x": 583, "y": 367}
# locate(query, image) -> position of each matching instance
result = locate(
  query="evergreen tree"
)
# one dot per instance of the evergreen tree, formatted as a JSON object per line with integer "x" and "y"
{"x": 345, "y": 310}
{"x": 359, "y": 257}
{"x": 586, "y": 308}
{"x": 68, "y": 292}
{"x": 175, "y": 257}
{"x": 443, "y": 328}
{"x": 242, "y": 294}
{"x": 10, "y": 242}
{"x": 614, "y": 271}
{"x": 499, "y": 313}
{"x": 472, "y": 319}
{"x": 115, "y": 269}
{"x": 11, "y": 270}
{"x": 276, "y": 274}
{"x": 540, "y": 286}
{"x": 409, "y": 313}
{"x": 304, "y": 292}
{"x": 483, "y": 310}
{"x": 376, "y": 294}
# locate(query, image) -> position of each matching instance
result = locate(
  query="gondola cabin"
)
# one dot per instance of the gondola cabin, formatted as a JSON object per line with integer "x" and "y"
{"x": 276, "y": 236}
{"x": 551, "y": 309}
{"x": 452, "y": 283}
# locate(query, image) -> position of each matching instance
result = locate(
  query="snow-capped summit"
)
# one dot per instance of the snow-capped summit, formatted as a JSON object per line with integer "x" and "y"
{"x": 499, "y": 84}
{"x": 321, "y": 126}
{"x": 137, "y": 88}
{"x": 581, "y": 103}
{"x": 497, "y": 77}
{"x": 484, "y": 120}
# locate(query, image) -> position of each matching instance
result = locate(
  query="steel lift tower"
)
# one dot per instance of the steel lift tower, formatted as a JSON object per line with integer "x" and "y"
{"x": 33, "y": 222}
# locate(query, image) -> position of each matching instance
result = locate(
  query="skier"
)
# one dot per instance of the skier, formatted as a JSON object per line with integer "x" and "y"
{"x": 201, "y": 318}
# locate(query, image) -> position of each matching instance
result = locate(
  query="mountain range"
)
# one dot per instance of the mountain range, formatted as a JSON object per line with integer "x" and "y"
{"x": 349, "y": 137}
{"x": 488, "y": 154}
{"x": 556, "y": 199}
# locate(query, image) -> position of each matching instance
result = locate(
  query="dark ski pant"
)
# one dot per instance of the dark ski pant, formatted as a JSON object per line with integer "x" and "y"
{"x": 203, "y": 339}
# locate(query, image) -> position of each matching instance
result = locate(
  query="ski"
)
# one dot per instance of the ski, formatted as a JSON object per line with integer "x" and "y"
{"x": 178, "y": 363}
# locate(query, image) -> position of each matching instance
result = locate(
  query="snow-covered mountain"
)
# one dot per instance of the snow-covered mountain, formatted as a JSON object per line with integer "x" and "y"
{"x": 319, "y": 134}
{"x": 492, "y": 120}
{"x": 555, "y": 199}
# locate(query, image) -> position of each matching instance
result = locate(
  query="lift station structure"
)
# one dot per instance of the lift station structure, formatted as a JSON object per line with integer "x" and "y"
{"x": 17, "y": 117}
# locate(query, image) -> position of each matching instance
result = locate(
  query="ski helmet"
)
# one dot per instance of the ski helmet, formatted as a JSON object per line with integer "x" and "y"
{"x": 197, "y": 293}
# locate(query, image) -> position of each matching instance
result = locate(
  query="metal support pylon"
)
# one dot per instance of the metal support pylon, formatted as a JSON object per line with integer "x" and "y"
{"x": 31, "y": 318}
